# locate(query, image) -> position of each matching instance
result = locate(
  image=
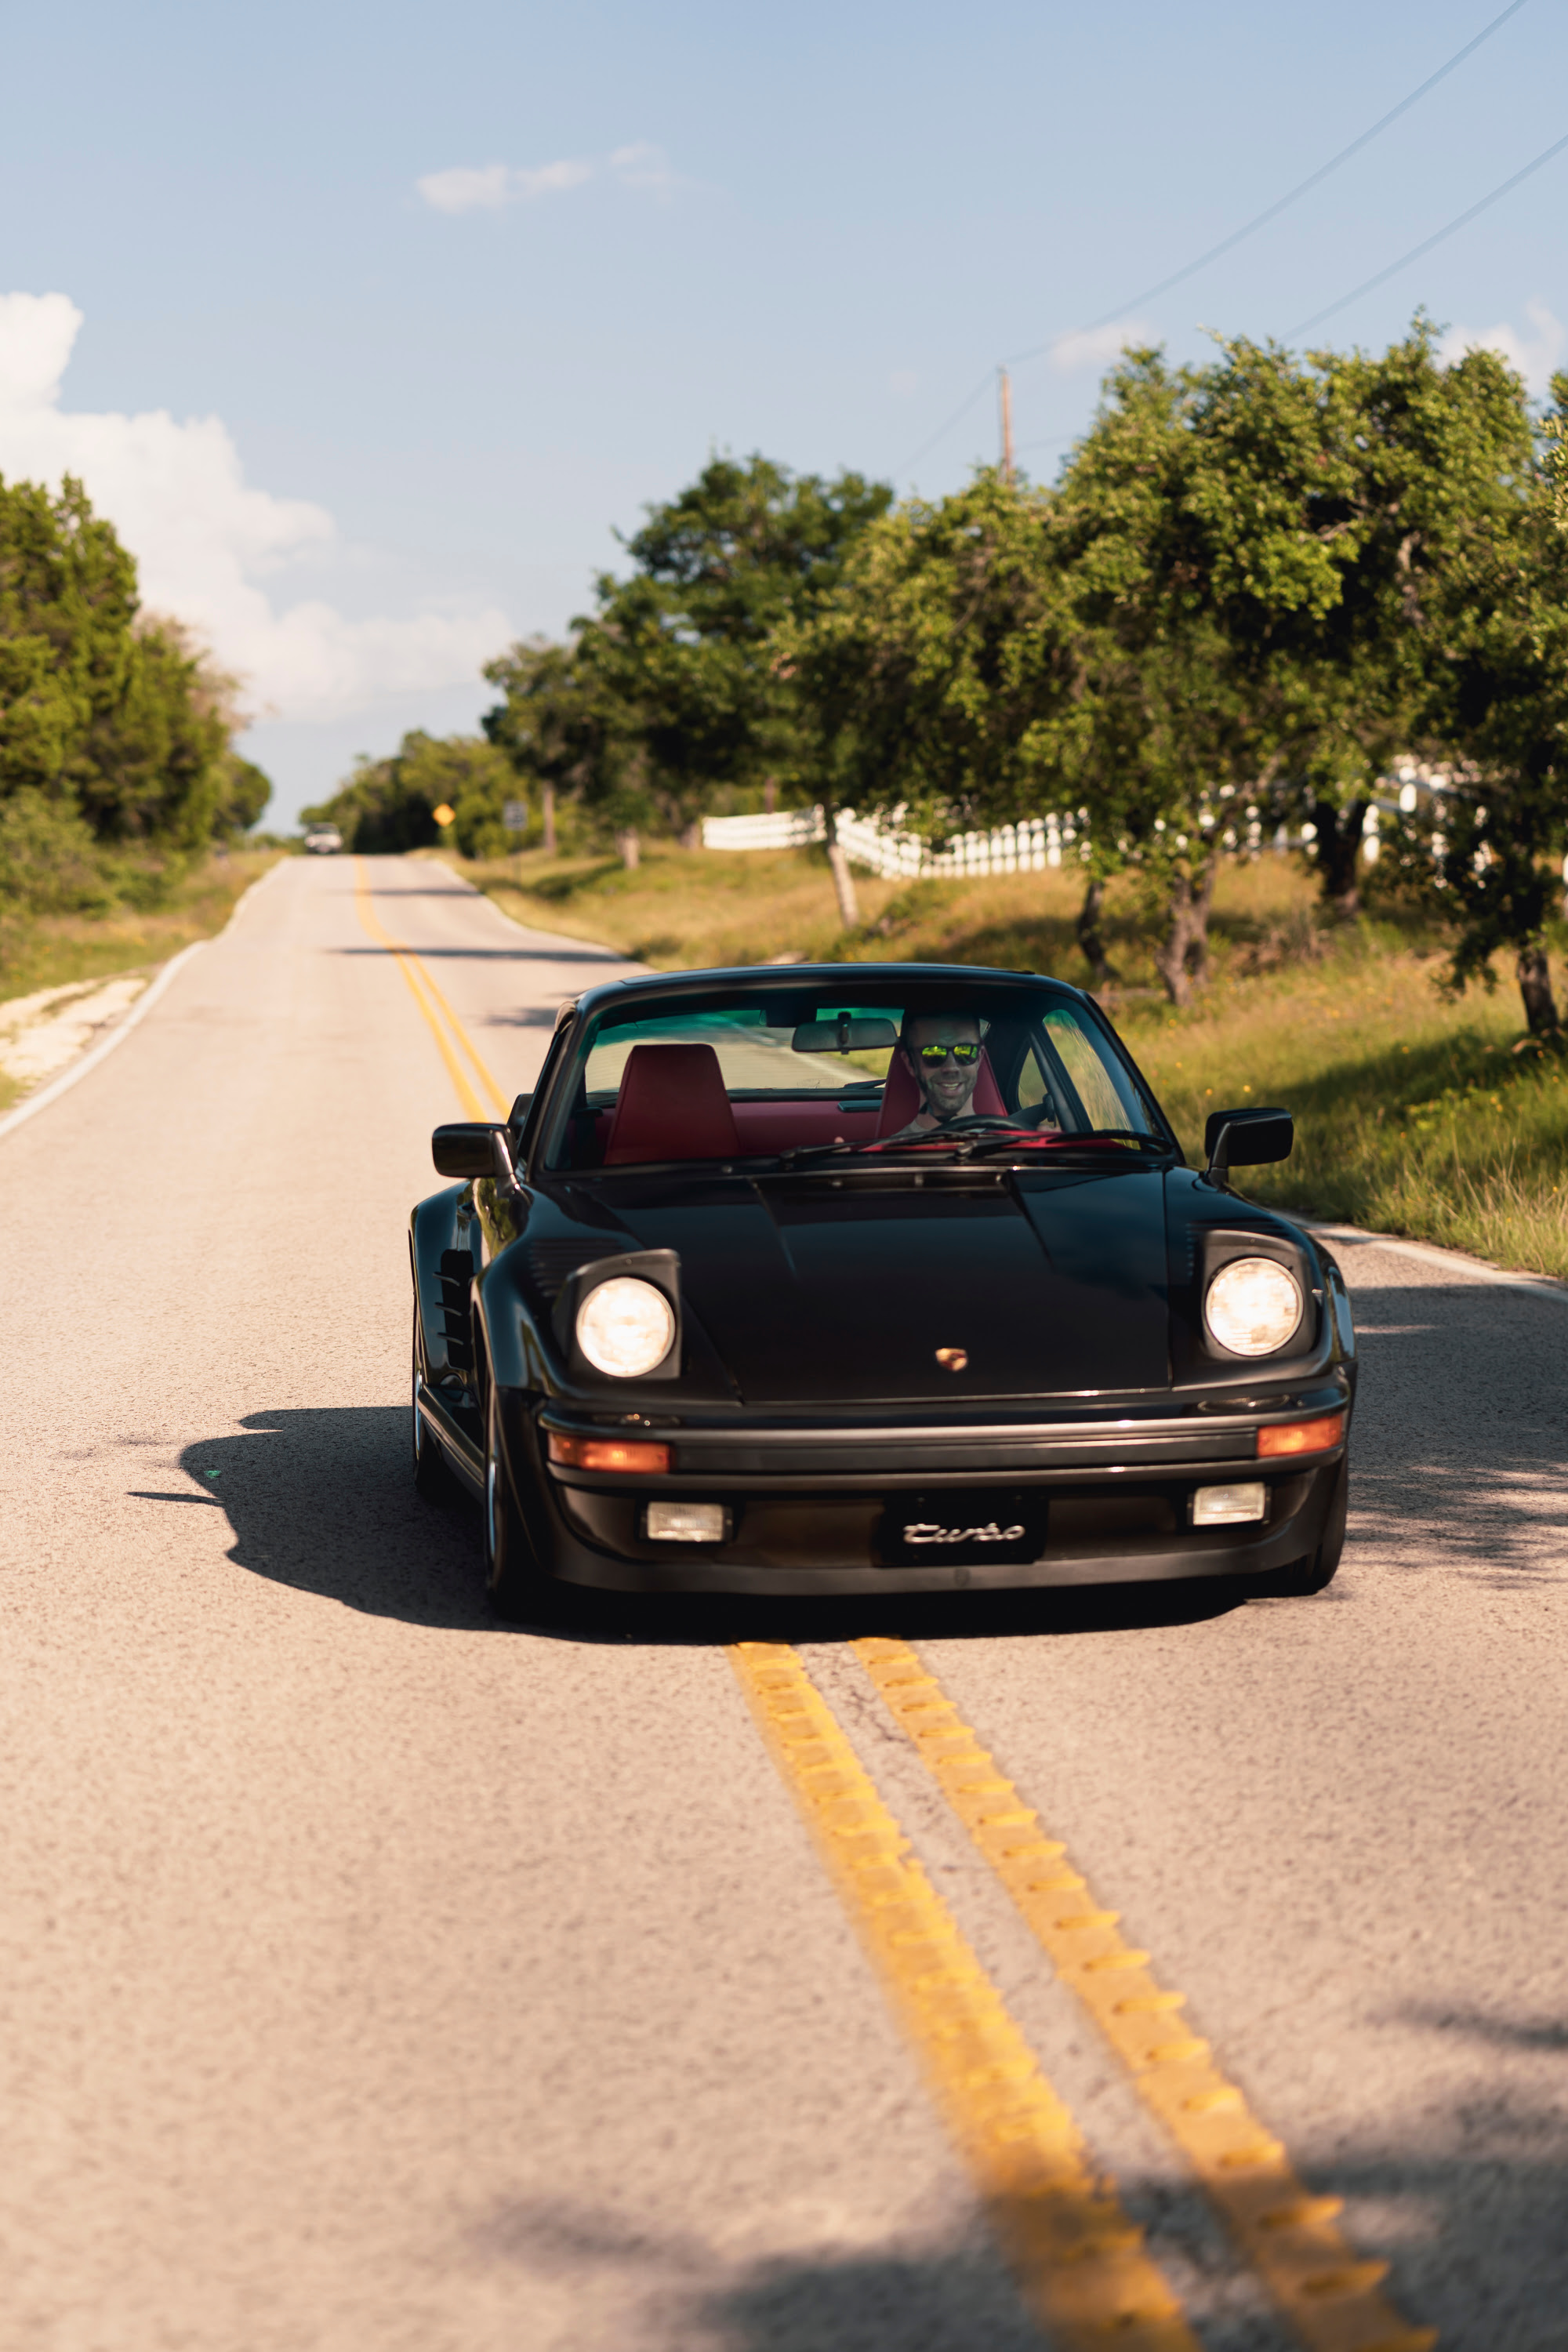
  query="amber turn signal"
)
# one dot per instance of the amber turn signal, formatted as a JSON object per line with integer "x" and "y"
{"x": 629, "y": 1454}
{"x": 1300, "y": 1436}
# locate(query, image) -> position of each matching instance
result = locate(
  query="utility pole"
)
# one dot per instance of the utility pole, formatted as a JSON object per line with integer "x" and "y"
{"x": 1005, "y": 387}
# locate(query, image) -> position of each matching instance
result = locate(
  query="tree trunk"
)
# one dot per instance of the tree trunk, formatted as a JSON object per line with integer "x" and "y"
{"x": 1184, "y": 958}
{"x": 1535, "y": 975}
{"x": 1336, "y": 850}
{"x": 691, "y": 834}
{"x": 843, "y": 880}
{"x": 630, "y": 848}
{"x": 547, "y": 810}
{"x": 1091, "y": 939}
{"x": 770, "y": 794}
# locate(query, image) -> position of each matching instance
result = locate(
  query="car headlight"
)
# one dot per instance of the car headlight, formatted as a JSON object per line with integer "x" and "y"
{"x": 625, "y": 1327}
{"x": 1253, "y": 1305}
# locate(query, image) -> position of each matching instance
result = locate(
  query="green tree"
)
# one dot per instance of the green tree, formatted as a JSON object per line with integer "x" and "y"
{"x": 1257, "y": 551}
{"x": 1489, "y": 856}
{"x": 1009, "y": 652}
{"x": 115, "y": 715}
{"x": 1164, "y": 728}
{"x": 68, "y": 601}
{"x": 244, "y": 790}
{"x": 388, "y": 806}
{"x": 670, "y": 693}
{"x": 149, "y": 767}
{"x": 550, "y": 724}
{"x": 1341, "y": 500}
{"x": 918, "y": 681}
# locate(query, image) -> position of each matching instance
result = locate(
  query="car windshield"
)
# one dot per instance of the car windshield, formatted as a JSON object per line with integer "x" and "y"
{"x": 783, "y": 1071}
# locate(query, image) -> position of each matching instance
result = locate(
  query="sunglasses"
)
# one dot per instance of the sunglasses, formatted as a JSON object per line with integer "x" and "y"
{"x": 933, "y": 1056}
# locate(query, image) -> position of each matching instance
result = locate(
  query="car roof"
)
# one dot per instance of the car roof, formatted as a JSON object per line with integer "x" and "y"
{"x": 885, "y": 978}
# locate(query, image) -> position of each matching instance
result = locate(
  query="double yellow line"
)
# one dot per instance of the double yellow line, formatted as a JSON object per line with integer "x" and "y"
{"x": 433, "y": 1006}
{"x": 1079, "y": 2261}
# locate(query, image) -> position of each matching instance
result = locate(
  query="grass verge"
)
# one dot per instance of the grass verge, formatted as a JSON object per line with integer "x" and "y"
{"x": 685, "y": 909}
{"x": 1414, "y": 1114}
{"x": 40, "y": 951}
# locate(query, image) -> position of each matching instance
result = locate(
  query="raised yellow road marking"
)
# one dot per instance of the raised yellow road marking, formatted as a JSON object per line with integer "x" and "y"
{"x": 1332, "y": 2300}
{"x": 419, "y": 981}
{"x": 1078, "y": 2257}
{"x": 500, "y": 1102}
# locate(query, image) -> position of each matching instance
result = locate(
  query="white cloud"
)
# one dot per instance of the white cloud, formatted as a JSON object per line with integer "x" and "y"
{"x": 644, "y": 167}
{"x": 1534, "y": 356}
{"x": 487, "y": 187}
{"x": 551, "y": 179}
{"x": 1085, "y": 347}
{"x": 467, "y": 188}
{"x": 203, "y": 538}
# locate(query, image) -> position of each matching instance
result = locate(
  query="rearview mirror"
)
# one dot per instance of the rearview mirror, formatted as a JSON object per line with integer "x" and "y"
{"x": 1246, "y": 1138}
{"x": 465, "y": 1148}
{"x": 845, "y": 1034}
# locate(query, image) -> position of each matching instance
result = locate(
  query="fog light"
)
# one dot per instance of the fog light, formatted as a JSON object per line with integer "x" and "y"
{"x": 1226, "y": 1506}
{"x": 686, "y": 1522}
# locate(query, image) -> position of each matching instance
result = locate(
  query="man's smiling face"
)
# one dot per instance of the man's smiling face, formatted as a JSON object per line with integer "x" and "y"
{"x": 947, "y": 1085}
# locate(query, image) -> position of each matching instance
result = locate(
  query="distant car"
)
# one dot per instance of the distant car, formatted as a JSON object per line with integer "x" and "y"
{"x": 323, "y": 840}
{"x": 712, "y": 1313}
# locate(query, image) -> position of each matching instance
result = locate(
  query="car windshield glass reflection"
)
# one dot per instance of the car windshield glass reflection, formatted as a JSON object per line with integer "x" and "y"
{"x": 786, "y": 1072}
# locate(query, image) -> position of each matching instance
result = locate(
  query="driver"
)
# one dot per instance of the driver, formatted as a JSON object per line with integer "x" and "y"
{"x": 943, "y": 1050}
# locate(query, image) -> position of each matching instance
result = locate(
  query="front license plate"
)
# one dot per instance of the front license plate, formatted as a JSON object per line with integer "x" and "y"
{"x": 963, "y": 1531}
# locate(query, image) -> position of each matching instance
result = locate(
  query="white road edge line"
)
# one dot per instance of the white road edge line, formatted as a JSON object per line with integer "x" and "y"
{"x": 1454, "y": 1260}
{"x": 143, "y": 1005}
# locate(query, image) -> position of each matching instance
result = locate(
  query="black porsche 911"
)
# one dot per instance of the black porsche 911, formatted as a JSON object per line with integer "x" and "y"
{"x": 832, "y": 1279}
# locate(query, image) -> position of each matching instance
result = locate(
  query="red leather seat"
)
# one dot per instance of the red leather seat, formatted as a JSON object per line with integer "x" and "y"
{"x": 672, "y": 1105}
{"x": 901, "y": 1095}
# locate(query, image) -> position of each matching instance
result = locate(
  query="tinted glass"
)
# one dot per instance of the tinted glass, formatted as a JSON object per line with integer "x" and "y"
{"x": 761, "y": 1051}
{"x": 778, "y": 1067}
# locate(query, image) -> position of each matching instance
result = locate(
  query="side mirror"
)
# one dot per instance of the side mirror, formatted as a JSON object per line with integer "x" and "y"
{"x": 1246, "y": 1138}
{"x": 466, "y": 1149}
{"x": 517, "y": 1117}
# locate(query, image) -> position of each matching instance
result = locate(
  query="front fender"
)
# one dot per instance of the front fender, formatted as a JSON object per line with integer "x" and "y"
{"x": 514, "y": 1350}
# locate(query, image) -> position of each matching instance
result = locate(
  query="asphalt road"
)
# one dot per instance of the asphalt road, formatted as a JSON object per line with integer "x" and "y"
{"x": 376, "y": 1980}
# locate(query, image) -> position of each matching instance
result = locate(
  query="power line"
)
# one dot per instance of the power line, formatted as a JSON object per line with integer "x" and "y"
{"x": 1312, "y": 181}
{"x": 1426, "y": 247}
{"x": 984, "y": 385}
{"x": 1064, "y": 441}
{"x": 1192, "y": 268}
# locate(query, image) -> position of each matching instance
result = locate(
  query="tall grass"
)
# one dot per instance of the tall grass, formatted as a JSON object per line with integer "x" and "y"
{"x": 1414, "y": 1114}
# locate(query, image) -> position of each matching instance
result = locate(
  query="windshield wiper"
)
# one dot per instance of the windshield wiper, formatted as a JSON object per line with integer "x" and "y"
{"x": 1098, "y": 1138}
{"x": 962, "y": 1143}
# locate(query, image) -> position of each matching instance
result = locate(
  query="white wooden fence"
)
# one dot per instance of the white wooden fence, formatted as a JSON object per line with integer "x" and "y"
{"x": 883, "y": 846}
{"x": 886, "y": 848}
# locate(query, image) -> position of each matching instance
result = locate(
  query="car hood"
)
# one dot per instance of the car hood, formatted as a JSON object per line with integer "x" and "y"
{"x": 1051, "y": 1283}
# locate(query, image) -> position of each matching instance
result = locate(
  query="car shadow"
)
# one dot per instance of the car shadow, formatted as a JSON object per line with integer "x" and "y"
{"x": 323, "y": 1499}
{"x": 1452, "y": 1478}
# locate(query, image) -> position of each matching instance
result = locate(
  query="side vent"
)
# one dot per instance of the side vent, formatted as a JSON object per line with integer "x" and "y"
{"x": 457, "y": 1315}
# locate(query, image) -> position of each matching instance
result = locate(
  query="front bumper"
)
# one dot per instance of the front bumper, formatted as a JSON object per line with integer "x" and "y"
{"x": 807, "y": 1500}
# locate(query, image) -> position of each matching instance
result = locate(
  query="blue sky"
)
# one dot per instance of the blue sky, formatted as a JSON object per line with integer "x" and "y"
{"x": 361, "y": 433}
